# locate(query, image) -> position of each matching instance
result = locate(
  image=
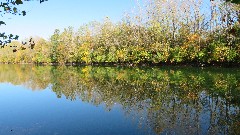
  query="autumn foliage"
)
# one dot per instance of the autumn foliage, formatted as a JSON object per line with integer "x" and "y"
{"x": 172, "y": 32}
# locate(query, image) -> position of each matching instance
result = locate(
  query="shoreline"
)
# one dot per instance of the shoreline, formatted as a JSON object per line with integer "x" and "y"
{"x": 145, "y": 64}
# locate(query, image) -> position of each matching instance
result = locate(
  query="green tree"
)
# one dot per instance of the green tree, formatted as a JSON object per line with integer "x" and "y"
{"x": 55, "y": 40}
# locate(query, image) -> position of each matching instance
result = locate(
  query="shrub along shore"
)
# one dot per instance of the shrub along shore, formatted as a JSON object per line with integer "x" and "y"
{"x": 165, "y": 33}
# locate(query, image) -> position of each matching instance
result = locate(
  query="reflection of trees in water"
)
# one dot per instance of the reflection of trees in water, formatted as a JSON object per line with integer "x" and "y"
{"x": 204, "y": 115}
{"x": 184, "y": 101}
{"x": 33, "y": 77}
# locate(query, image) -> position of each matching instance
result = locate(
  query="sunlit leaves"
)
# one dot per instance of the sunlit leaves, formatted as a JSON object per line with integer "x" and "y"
{"x": 179, "y": 32}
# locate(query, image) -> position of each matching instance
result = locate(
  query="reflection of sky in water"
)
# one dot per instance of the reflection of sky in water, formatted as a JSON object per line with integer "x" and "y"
{"x": 41, "y": 112}
{"x": 110, "y": 100}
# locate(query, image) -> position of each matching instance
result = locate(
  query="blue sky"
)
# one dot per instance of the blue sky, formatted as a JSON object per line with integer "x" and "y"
{"x": 42, "y": 19}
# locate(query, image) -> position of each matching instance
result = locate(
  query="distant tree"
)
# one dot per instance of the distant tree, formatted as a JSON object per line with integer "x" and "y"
{"x": 11, "y": 7}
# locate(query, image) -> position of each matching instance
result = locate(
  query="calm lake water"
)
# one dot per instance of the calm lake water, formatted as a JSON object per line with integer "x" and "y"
{"x": 45, "y": 100}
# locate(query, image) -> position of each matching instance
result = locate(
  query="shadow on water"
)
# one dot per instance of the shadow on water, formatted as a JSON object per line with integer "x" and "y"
{"x": 168, "y": 99}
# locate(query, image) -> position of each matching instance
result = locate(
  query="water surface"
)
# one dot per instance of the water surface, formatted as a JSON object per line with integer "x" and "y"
{"x": 115, "y": 100}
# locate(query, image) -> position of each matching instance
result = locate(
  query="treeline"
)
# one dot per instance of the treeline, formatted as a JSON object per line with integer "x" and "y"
{"x": 173, "y": 32}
